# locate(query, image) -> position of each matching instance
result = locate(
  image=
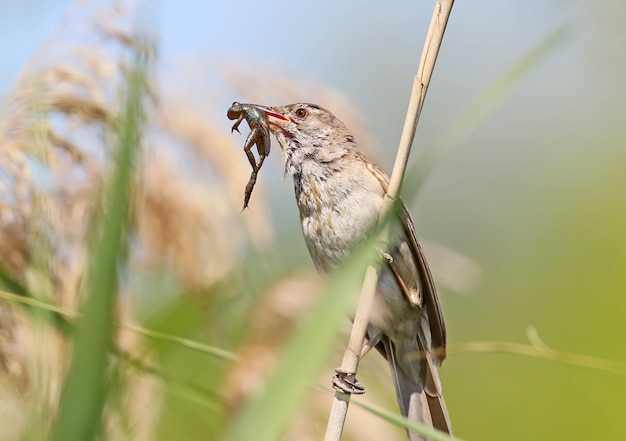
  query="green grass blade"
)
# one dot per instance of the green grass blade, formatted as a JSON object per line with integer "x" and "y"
{"x": 11, "y": 290}
{"x": 8, "y": 283}
{"x": 86, "y": 386}
{"x": 212, "y": 351}
{"x": 467, "y": 122}
{"x": 267, "y": 416}
{"x": 399, "y": 420}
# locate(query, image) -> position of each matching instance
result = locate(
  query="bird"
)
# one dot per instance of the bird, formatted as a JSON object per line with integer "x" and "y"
{"x": 340, "y": 194}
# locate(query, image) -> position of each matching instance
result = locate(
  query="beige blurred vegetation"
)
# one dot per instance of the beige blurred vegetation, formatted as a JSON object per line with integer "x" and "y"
{"x": 188, "y": 232}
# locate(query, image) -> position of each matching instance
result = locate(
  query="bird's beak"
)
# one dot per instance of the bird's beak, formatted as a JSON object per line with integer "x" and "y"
{"x": 275, "y": 120}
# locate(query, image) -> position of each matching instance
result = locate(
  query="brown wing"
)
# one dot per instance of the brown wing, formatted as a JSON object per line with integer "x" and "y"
{"x": 427, "y": 285}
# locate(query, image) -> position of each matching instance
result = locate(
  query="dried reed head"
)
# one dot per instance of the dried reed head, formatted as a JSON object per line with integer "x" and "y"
{"x": 56, "y": 133}
{"x": 55, "y": 130}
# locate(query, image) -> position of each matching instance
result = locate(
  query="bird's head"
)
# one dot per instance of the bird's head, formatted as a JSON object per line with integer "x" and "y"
{"x": 308, "y": 132}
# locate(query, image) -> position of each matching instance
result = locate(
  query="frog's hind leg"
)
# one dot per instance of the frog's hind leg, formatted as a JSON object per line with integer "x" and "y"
{"x": 255, "y": 137}
{"x": 252, "y": 181}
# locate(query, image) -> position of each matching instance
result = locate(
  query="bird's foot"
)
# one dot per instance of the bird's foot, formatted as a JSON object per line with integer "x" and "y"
{"x": 346, "y": 382}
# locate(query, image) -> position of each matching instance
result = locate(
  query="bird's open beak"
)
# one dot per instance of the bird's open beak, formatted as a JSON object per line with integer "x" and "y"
{"x": 275, "y": 120}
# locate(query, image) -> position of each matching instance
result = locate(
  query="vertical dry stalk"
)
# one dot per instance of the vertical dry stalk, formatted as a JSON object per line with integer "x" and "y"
{"x": 350, "y": 362}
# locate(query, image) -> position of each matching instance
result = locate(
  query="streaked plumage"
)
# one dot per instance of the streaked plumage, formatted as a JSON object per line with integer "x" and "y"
{"x": 339, "y": 195}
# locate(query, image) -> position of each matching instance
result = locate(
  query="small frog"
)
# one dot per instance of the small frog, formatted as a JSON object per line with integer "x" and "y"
{"x": 259, "y": 135}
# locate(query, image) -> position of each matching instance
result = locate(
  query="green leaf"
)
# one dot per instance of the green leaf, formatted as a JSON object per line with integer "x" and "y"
{"x": 399, "y": 420}
{"x": 86, "y": 385}
{"x": 267, "y": 416}
{"x": 460, "y": 129}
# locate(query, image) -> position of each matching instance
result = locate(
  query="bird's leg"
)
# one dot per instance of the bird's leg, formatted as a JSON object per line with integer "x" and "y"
{"x": 372, "y": 342}
{"x": 345, "y": 381}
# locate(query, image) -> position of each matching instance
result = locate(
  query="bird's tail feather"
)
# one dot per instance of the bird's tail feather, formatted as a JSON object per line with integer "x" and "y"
{"x": 419, "y": 395}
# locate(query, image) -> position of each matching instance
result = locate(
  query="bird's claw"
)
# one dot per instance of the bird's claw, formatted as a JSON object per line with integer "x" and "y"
{"x": 346, "y": 382}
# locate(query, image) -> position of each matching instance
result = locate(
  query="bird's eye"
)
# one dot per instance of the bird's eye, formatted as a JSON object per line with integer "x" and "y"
{"x": 301, "y": 112}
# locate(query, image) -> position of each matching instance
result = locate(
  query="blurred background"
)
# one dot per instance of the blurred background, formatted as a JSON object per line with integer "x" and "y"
{"x": 520, "y": 200}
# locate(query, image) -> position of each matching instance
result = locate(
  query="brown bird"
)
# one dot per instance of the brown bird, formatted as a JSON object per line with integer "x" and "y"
{"x": 340, "y": 195}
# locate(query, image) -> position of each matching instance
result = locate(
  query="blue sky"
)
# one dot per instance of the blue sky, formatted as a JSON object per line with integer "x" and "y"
{"x": 369, "y": 51}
